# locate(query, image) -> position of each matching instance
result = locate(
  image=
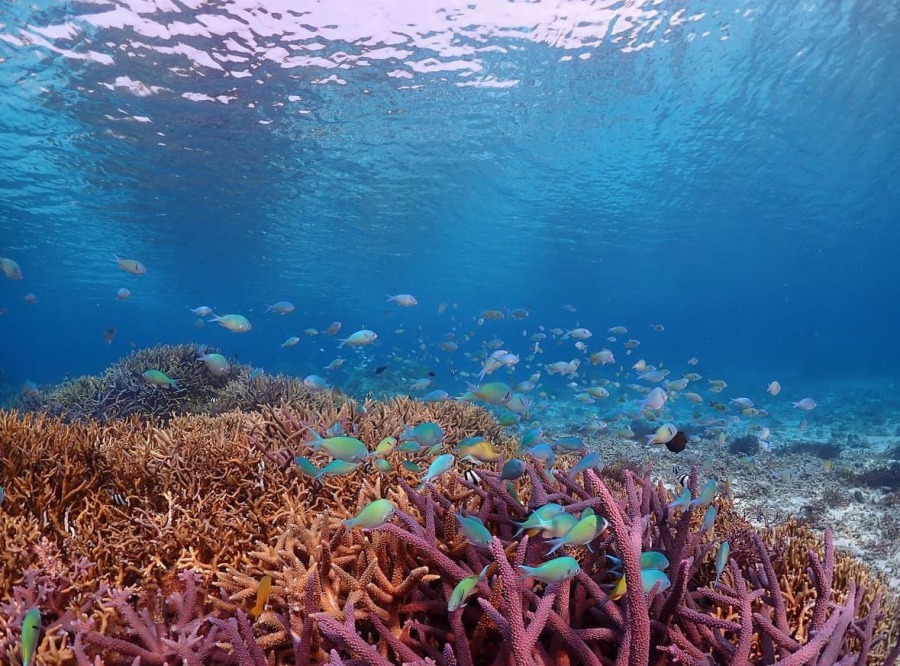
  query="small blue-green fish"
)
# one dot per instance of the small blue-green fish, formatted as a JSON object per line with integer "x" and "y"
{"x": 306, "y": 467}
{"x": 159, "y": 378}
{"x": 384, "y": 465}
{"x": 441, "y": 465}
{"x": 411, "y": 466}
{"x": 385, "y": 446}
{"x": 511, "y": 489}
{"x": 464, "y": 590}
{"x": 409, "y": 447}
{"x": 436, "y": 396}
{"x": 539, "y": 519}
{"x": 532, "y": 437}
{"x": 560, "y": 525}
{"x": 336, "y": 429}
{"x": 649, "y": 560}
{"x": 542, "y": 452}
{"x": 337, "y": 468}
{"x": 589, "y": 461}
{"x": 707, "y": 495}
{"x": 233, "y": 322}
{"x": 426, "y": 434}
{"x": 358, "y": 339}
{"x": 281, "y": 307}
{"x": 512, "y": 470}
{"x": 31, "y": 632}
{"x": 215, "y": 363}
{"x": 348, "y": 449}
{"x": 553, "y": 571}
{"x": 202, "y": 311}
{"x": 256, "y": 373}
{"x": 374, "y": 514}
{"x": 649, "y": 580}
{"x": 434, "y": 450}
{"x": 474, "y": 530}
{"x": 2, "y": 494}
{"x": 683, "y": 501}
{"x": 508, "y": 419}
{"x": 709, "y": 518}
{"x": 569, "y": 443}
{"x": 721, "y": 561}
{"x": 315, "y": 383}
{"x": 493, "y": 393}
{"x": 290, "y": 342}
{"x": 582, "y": 533}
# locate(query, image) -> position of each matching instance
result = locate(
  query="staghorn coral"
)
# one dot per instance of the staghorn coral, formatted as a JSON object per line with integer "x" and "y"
{"x": 220, "y": 497}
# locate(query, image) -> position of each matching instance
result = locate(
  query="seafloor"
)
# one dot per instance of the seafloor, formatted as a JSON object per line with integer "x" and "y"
{"x": 147, "y": 527}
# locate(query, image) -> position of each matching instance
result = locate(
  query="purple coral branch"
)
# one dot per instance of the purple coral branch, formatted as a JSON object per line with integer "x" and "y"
{"x": 637, "y": 650}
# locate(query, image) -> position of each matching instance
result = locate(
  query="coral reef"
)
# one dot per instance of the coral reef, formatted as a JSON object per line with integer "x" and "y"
{"x": 744, "y": 445}
{"x": 824, "y": 450}
{"x": 122, "y": 391}
{"x": 208, "y": 506}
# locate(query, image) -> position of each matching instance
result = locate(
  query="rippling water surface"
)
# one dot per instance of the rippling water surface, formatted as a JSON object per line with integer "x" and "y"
{"x": 727, "y": 168}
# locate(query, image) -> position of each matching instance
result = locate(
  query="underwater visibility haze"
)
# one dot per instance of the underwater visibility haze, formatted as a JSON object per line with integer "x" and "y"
{"x": 668, "y": 230}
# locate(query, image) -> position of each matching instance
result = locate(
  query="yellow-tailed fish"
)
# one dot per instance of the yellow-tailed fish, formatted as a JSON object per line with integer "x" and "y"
{"x": 464, "y": 590}
{"x": 262, "y": 596}
{"x": 553, "y": 571}
{"x": 481, "y": 451}
{"x": 374, "y": 514}
{"x": 649, "y": 579}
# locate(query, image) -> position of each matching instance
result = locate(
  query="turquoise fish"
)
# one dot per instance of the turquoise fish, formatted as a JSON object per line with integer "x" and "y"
{"x": 474, "y": 530}
{"x": 553, "y": 571}
{"x": 31, "y": 632}
{"x": 464, "y": 590}
{"x": 374, "y": 514}
{"x": 439, "y": 465}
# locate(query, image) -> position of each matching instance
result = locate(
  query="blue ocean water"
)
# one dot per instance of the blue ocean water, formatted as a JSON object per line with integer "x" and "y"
{"x": 728, "y": 170}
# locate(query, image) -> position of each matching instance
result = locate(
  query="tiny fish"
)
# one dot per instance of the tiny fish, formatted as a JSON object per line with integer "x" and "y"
{"x": 380, "y": 369}
{"x": 360, "y": 338}
{"x": 159, "y": 378}
{"x": 281, "y": 307}
{"x": 262, "y": 595}
{"x": 464, "y": 590}
{"x": 374, "y": 514}
{"x": 707, "y": 494}
{"x": 721, "y": 560}
{"x": 109, "y": 334}
{"x": 440, "y": 465}
{"x": 512, "y": 470}
{"x": 123, "y": 294}
{"x": 290, "y": 342}
{"x": 471, "y": 476}
{"x": 474, "y": 530}
{"x": 553, "y": 571}
{"x": 233, "y": 322}
{"x": 403, "y": 300}
{"x": 31, "y": 632}
{"x": 806, "y": 404}
{"x": 132, "y": 266}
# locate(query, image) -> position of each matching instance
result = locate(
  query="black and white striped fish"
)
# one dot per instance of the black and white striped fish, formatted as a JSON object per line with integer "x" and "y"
{"x": 119, "y": 499}
{"x": 471, "y": 476}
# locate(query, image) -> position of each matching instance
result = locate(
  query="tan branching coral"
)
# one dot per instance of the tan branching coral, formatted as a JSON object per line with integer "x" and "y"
{"x": 139, "y": 502}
